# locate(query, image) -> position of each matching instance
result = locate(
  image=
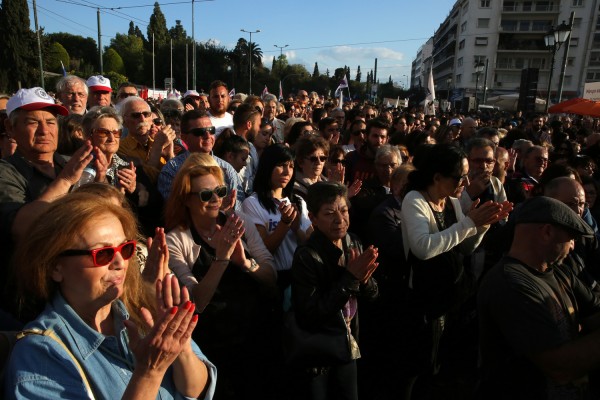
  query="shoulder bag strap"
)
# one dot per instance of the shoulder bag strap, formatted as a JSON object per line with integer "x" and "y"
{"x": 51, "y": 334}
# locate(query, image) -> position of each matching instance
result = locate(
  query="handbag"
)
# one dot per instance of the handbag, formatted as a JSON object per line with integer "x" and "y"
{"x": 316, "y": 349}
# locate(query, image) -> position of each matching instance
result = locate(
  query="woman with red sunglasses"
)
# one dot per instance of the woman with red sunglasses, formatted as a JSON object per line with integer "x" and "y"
{"x": 209, "y": 256}
{"x": 97, "y": 336}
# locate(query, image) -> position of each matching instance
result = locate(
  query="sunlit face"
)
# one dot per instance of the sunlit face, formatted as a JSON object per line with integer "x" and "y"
{"x": 203, "y": 103}
{"x": 482, "y": 161}
{"x": 332, "y": 133}
{"x": 82, "y": 283}
{"x": 109, "y": 144}
{"x": 74, "y": 97}
{"x": 312, "y": 165}
{"x": 137, "y": 124}
{"x": 238, "y": 160}
{"x": 332, "y": 219}
{"x": 377, "y": 137}
{"x": 195, "y": 205}
{"x": 282, "y": 174}
{"x": 99, "y": 98}
{"x": 201, "y": 144}
{"x": 573, "y": 195}
{"x": 218, "y": 100}
{"x": 384, "y": 167}
{"x": 36, "y": 133}
{"x": 536, "y": 162}
{"x": 263, "y": 138}
{"x": 270, "y": 110}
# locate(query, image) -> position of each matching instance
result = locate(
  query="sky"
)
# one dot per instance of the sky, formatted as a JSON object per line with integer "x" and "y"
{"x": 332, "y": 33}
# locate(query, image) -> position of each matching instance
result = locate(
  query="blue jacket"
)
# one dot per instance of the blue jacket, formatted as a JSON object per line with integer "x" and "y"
{"x": 39, "y": 368}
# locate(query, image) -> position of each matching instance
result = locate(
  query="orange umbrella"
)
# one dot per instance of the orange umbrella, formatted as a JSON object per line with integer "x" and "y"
{"x": 560, "y": 107}
{"x": 589, "y": 108}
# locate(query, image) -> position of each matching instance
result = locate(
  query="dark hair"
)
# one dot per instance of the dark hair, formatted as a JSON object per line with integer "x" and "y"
{"x": 317, "y": 115}
{"x": 190, "y": 116}
{"x": 325, "y": 122}
{"x": 189, "y": 100}
{"x": 309, "y": 144}
{"x": 324, "y": 192}
{"x": 243, "y": 113}
{"x": 229, "y": 142}
{"x": 216, "y": 84}
{"x": 478, "y": 143}
{"x": 335, "y": 151}
{"x": 431, "y": 159}
{"x": 378, "y": 122}
{"x": 68, "y": 143}
{"x": 272, "y": 156}
{"x": 295, "y": 132}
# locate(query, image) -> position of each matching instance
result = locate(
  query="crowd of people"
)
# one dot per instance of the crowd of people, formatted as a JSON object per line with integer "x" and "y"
{"x": 223, "y": 247}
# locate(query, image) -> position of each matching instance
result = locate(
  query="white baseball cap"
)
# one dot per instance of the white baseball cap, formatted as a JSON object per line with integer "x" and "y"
{"x": 98, "y": 82}
{"x": 33, "y": 99}
{"x": 191, "y": 93}
{"x": 455, "y": 121}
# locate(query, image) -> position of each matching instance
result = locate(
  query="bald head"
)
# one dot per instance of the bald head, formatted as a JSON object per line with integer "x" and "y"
{"x": 568, "y": 191}
{"x": 468, "y": 128}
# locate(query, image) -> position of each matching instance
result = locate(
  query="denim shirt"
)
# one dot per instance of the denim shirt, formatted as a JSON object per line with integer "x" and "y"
{"x": 39, "y": 368}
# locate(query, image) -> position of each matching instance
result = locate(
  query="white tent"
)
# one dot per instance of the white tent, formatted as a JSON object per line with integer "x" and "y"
{"x": 509, "y": 102}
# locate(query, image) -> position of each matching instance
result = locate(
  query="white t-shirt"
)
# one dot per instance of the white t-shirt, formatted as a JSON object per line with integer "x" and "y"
{"x": 256, "y": 213}
{"x": 221, "y": 123}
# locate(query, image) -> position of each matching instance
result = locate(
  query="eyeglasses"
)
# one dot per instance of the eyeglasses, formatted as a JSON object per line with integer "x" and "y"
{"x": 103, "y": 132}
{"x": 315, "y": 159}
{"x": 138, "y": 114}
{"x": 207, "y": 194}
{"x": 126, "y": 95}
{"x": 260, "y": 110}
{"x": 338, "y": 161}
{"x": 104, "y": 255}
{"x": 307, "y": 132}
{"x": 358, "y": 132}
{"x": 200, "y": 132}
{"x": 157, "y": 121}
{"x": 488, "y": 161}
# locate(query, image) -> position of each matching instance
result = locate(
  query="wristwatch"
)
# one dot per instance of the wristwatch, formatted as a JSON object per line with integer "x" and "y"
{"x": 253, "y": 265}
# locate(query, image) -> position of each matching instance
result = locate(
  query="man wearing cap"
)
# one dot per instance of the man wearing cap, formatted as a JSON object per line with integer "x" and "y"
{"x": 100, "y": 91}
{"x": 72, "y": 92}
{"x": 219, "y": 102}
{"x": 35, "y": 175}
{"x": 191, "y": 100}
{"x": 530, "y": 312}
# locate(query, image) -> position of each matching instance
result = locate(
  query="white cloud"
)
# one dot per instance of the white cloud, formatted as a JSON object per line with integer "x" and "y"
{"x": 345, "y": 54}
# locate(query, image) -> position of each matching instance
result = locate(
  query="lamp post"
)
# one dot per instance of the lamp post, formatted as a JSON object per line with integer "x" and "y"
{"x": 553, "y": 40}
{"x": 448, "y": 83}
{"x": 479, "y": 66}
{"x": 281, "y": 49}
{"x": 250, "y": 58}
{"x": 565, "y": 56}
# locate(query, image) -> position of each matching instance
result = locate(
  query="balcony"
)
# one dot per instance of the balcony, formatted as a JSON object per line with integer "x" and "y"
{"x": 533, "y": 7}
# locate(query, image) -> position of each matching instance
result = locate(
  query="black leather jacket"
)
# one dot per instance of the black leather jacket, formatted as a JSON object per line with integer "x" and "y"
{"x": 321, "y": 288}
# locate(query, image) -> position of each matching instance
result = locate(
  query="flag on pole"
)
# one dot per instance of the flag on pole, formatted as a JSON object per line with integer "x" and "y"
{"x": 265, "y": 91}
{"x": 430, "y": 98}
{"x": 343, "y": 84}
{"x": 280, "y": 92}
{"x": 341, "y": 102}
{"x": 232, "y": 93}
{"x": 63, "y": 68}
{"x": 398, "y": 102}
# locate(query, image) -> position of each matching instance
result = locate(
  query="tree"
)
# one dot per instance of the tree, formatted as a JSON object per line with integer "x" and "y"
{"x": 158, "y": 27}
{"x": 83, "y": 51}
{"x": 16, "y": 54}
{"x": 358, "y": 74}
{"x": 113, "y": 62}
{"x": 177, "y": 33}
{"x": 131, "y": 50}
{"x": 256, "y": 54}
{"x": 273, "y": 65}
{"x": 55, "y": 54}
{"x": 131, "y": 30}
{"x": 316, "y": 71}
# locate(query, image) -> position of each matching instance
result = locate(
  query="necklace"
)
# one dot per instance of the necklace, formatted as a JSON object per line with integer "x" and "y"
{"x": 436, "y": 207}
{"x": 208, "y": 237}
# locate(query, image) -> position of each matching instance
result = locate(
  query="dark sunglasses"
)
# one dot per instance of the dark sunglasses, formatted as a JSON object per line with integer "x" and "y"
{"x": 358, "y": 132}
{"x": 315, "y": 159}
{"x": 157, "y": 121}
{"x": 136, "y": 115}
{"x": 207, "y": 194}
{"x": 198, "y": 132}
{"x": 103, "y": 132}
{"x": 337, "y": 161}
{"x": 104, "y": 255}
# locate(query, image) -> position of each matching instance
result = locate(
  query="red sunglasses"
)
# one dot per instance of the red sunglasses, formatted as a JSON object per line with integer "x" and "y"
{"x": 104, "y": 255}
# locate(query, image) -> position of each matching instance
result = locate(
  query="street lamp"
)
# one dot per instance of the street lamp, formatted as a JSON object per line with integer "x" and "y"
{"x": 479, "y": 66}
{"x": 553, "y": 40}
{"x": 281, "y": 49}
{"x": 250, "y": 58}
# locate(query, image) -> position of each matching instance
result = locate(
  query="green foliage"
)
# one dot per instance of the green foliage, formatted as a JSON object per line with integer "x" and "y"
{"x": 115, "y": 79}
{"x": 80, "y": 49}
{"x": 316, "y": 71}
{"x": 113, "y": 62}
{"x": 158, "y": 26}
{"x": 131, "y": 50}
{"x": 54, "y": 55}
{"x": 358, "y": 74}
{"x": 177, "y": 33}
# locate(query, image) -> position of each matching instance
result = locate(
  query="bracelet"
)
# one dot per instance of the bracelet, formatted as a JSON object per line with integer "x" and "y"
{"x": 253, "y": 265}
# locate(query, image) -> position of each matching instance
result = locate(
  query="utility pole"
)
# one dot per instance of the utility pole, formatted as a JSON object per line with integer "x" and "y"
{"x": 250, "y": 58}
{"x": 100, "y": 43}
{"x": 193, "y": 50}
{"x": 565, "y": 59}
{"x": 39, "y": 43}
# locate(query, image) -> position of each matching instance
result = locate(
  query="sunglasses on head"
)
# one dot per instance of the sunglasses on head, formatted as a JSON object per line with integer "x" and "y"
{"x": 198, "y": 132}
{"x": 138, "y": 114}
{"x": 103, "y": 132}
{"x": 315, "y": 159}
{"x": 207, "y": 194}
{"x": 104, "y": 255}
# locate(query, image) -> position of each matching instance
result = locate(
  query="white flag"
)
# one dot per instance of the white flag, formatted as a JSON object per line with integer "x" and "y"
{"x": 343, "y": 85}
{"x": 430, "y": 98}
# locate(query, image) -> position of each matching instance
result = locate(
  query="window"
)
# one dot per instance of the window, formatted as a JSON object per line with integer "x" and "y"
{"x": 577, "y": 3}
{"x": 594, "y": 59}
{"x": 544, "y": 6}
{"x": 541, "y": 25}
{"x": 463, "y": 27}
{"x": 509, "y": 6}
{"x": 524, "y": 26}
{"x": 481, "y": 41}
{"x": 509, "y": 25}
{"x": 478, "y": 59}
{"x": 577, "y": 22}
{"x": 527, "y": 5}
{"x": 459, "y": 62}
{"x": 461, "y": 45}
{"x": 574, "y": 42}
{"x": 458, "y": 78}
{"x": 484, "y": 3}
{"x": 483, "y": 23}
{"x": 570, "y": 61}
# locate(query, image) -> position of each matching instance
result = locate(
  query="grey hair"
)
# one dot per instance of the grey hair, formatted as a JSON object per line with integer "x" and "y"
{"x": 67, "y": 81}
{"x": 96, "y": 113}
{"x": 171, "y": 104}
{"x": 270, "y": 97}
{"x": 125, "y": 105}
{"x": 388, "y": 150}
